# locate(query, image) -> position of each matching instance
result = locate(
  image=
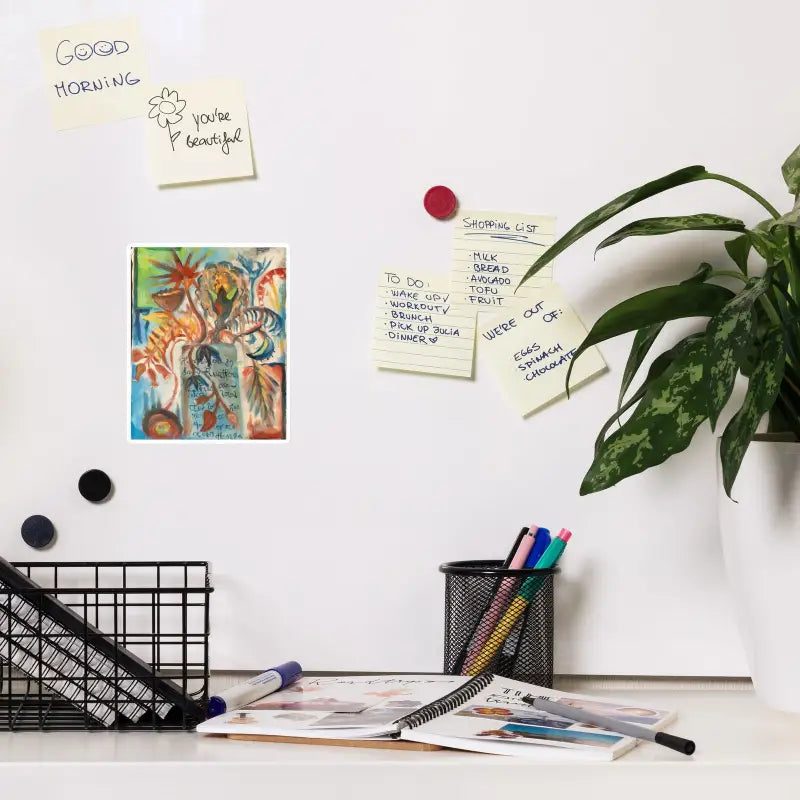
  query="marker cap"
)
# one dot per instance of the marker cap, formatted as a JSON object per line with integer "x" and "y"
{"x": 289, "y": 672}
{"x": 216, "y": 706}
{"x": 565, "y": 535}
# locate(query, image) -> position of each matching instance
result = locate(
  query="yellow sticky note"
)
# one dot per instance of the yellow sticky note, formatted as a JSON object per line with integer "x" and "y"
{"x": 530, "y": 346}
{"x": 492, "y": 250}
{"x": 198, "y": 131}
{"x": 94, "y": 72}
{"x": 417, "y": 329}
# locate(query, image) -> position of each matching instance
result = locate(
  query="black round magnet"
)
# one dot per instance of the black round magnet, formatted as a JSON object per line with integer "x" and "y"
{"x": 94, "y": 485}
{"x": 37, "y": 531}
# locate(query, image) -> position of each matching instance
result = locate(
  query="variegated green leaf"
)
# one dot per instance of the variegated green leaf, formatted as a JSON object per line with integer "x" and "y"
{"x": 662, "y": 424}
{"x": 655, "y": 306}
{"x": 642, "y": 342}
{"x": 762, "y": 241}
{"x": 791, "y": 171}
{"x": 657, "y": 367}
{"x": 762, "y": 390}
{"x": 791, "y": 218}
{"x": 644, "y": 338}
{"x": 598, "y": 217}
{"x": 739, "y": 249}
{"x": 776, "y": 245}
{"x": 775, "y": 236}
{"x": 657, "y": 226}
{"x": 729, "y": 336}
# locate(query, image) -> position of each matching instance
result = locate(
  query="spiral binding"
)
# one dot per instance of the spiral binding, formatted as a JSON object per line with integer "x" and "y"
{"x": 450, "y": 702}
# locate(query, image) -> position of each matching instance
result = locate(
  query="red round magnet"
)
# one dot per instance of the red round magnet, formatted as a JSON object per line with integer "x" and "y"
{"x": 440, "y": 202}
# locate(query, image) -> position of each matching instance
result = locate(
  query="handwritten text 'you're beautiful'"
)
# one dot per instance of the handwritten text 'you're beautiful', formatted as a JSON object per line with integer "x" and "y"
{"x": 167, "y": 109}
{"x": 222, "y": 139}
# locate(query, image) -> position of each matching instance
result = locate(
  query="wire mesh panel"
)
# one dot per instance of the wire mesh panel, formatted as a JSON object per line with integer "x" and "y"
{"x": 97, "y": 645}
{"x": 498, "y": 620}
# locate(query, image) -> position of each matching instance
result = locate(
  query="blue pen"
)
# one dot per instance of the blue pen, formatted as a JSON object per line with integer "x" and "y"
{"x": 540, "y": 544}
{"x": 260, "y": 686}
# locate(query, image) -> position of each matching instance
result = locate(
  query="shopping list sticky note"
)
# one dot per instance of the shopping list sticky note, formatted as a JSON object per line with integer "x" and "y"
{"x": 417, "y": 329}
{"x": 94, "y": 72}
{"x": 530, "y": 345}
{"x": 198, "y": 131}
{"x": 492, "y": 250}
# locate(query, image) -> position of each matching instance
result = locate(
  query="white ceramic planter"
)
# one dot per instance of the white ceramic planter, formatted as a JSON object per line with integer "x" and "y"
{"x": 761, "y": 544}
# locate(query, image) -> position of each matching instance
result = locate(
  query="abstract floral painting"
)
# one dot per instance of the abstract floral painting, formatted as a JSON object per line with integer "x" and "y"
{"x": 208, "y": 343}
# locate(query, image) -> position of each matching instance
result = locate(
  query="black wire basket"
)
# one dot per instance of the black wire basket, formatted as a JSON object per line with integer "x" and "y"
{"x": 104, "y": 645}
{"x": 499, "y": 620}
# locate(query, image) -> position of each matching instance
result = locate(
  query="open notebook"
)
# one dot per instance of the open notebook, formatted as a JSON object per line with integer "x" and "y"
{"x": 485, "y": 714}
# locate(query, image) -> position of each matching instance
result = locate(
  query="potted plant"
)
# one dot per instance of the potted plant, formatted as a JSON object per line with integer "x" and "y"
{"x": 753, "y": 330}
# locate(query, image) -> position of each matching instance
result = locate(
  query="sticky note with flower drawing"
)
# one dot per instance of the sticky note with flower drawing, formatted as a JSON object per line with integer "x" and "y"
{"x": 208, "y": 342}
{"x": 198, "y": 132}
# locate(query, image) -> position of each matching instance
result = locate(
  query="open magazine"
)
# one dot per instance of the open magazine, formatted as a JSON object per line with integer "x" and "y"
{"x": 485, "y": 714}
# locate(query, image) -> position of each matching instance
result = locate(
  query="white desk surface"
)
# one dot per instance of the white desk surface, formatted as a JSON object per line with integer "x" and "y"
{"x": 741, "y": 746}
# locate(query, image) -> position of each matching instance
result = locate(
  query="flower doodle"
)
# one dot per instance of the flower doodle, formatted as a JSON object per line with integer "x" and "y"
{"x": 165, "y": 109}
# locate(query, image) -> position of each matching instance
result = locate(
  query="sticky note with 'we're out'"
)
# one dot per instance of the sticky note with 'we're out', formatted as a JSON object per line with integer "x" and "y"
{"x": 530, "y": 346}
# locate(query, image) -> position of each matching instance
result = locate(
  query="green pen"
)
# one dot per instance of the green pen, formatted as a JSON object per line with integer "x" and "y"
{"x": 547, "y": 560}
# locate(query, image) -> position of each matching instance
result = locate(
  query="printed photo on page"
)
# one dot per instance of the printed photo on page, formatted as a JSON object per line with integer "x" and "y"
{"x": 357, "y": 706}
{"x": 497, "y": 717}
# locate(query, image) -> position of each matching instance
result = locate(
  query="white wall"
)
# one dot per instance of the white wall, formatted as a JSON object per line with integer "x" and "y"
{"x": 326, "y": 548}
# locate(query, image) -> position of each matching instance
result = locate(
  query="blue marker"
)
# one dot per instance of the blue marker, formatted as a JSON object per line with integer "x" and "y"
{"x": 248, "y": 692}
{"x": 540, "y": 544}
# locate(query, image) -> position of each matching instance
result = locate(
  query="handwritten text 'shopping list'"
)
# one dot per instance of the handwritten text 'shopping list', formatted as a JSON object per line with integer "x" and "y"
{"x": 492, "y": 250}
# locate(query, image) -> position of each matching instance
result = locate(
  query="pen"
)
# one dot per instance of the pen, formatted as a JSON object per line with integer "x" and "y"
{"x": 685, "y": 746}
{"x": 462, "y": 656}
{"x": 539, "y": 546}
{"x": 501, "y": 598}
{"x": 528, "y": 589}
{"x": 511, "y": 644}
{"x": 248, "y": 692}
{"x": 512, "y": 552}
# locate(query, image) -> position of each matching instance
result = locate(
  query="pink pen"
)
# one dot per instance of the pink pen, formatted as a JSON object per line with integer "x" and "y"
{"x": 501, "y": 600}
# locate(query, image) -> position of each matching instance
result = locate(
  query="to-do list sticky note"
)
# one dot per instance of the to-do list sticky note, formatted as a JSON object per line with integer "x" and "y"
{"x": 198, "y": 131}
{"x": 417, "y": 329}
{"x": 492, "y": 250}
{"x": 530, "y": 345}
{"x": 94, "y": 72}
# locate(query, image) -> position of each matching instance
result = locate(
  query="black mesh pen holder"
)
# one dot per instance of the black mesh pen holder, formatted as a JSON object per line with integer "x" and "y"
{"x": 498, "y": 620}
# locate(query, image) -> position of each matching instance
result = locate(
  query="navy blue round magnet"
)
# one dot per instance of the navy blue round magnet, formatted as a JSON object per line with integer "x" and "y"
{"x": 37, "y": 531}
{"x": 94, "y": 485}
